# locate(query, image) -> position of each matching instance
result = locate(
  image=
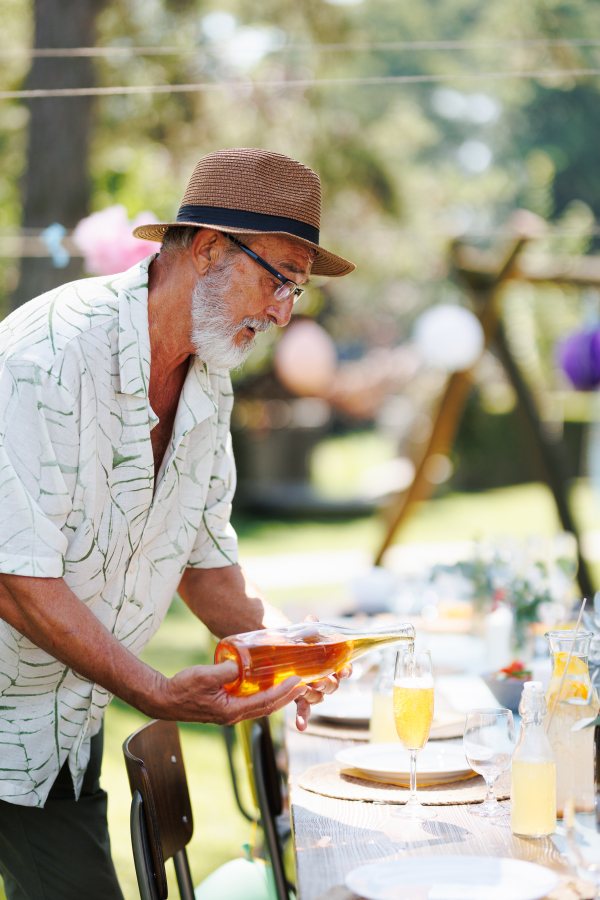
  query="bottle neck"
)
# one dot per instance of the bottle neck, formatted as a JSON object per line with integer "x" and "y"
{"x": 383, "y": 636}
{"x": 532, "y": 720}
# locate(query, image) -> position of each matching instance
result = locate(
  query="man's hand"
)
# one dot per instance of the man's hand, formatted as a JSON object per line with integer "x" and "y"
{"x": 197, "y": 695}
{"x": 315, "y": 692}
{"x": 228, "y": 603}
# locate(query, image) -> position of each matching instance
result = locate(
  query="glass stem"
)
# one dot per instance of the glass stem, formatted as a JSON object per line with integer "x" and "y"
{"x": 490, "y": 799}
{"x": 413, "y": 778}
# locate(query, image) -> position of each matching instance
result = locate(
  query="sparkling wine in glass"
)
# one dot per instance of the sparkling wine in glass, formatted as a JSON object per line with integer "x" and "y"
{"x": 413, "y": 712}
{"x": 489, "y": 742}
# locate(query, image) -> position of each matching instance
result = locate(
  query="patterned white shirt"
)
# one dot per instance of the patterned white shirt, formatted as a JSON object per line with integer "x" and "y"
{"x": 76, "y": 501}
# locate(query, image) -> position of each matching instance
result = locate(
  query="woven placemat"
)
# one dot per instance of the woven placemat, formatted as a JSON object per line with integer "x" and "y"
{"x": 569, "y": 888}
{"x": 321, "y": 728}
{"x": 333, "y": 780}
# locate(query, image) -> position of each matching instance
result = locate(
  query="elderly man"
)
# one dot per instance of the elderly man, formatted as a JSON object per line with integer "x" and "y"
{"x": 116, "y": 487}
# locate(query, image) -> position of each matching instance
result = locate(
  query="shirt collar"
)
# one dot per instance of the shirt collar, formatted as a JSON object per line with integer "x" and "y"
{"x": 134, "y": 334}
{"x": 196, "y": 402}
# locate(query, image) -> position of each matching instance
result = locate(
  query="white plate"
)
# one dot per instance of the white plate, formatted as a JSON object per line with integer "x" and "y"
{"x": 440, "y": 758}
{"x": 404, "y": 780}
{"x": 452, "y": 878}
{"x": 354, "y": 709}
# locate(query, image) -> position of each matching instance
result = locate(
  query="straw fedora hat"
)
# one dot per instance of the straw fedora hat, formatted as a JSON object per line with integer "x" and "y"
{"x": 249, "y": 191}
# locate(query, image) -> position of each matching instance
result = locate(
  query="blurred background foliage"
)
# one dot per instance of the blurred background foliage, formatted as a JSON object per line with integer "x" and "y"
{"x": 406, "y": 169}
{"x": 403, "y": 167}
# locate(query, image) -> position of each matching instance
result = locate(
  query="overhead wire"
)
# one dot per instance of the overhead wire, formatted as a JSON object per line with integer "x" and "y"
{"x": 376, "y": 46}
{"x": 121, "y": 51}
{"x": 291, "y": 83}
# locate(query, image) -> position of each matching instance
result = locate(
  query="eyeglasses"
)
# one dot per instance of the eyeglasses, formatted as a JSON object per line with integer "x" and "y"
{"x": 287, "y": 287}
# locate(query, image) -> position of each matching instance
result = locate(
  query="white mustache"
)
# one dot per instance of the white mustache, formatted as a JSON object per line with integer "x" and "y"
{"x": 255, "y": 324}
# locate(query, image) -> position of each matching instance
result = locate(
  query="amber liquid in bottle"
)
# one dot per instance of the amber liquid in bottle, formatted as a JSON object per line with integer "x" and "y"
{"x": 311, "y": 650}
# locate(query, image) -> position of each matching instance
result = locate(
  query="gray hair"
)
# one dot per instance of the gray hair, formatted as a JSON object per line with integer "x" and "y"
{"x": 178, "y": 237}
{"x": 181, "y": 237}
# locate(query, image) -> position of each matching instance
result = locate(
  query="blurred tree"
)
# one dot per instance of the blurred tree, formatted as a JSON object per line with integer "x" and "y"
{"x": 56, "y": 186}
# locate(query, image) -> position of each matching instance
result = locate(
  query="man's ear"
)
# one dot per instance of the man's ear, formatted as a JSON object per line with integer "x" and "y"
{"x": 207, "y": 246}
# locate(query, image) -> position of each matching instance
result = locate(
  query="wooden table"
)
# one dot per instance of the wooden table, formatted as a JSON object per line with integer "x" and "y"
{"x": 334, "y": 836}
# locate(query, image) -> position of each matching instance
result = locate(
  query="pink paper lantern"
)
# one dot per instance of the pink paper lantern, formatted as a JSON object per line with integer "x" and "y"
{"x": 106, "y": 241}
{"x": 305, "y": 359}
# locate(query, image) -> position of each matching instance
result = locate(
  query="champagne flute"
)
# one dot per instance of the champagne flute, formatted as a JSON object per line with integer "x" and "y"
{"x": 413, "y": 712}
{"x": 489, "y": 742}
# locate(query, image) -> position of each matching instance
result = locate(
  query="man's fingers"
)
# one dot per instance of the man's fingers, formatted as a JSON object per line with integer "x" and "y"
{"x": 345, "y": 671}
{"x": 302, "y": 713}
{"x": 326, "y": 685}
{"x": 267, "y": 702}
{"x": 225, "y": 672}
{"x": 312, "y": 696}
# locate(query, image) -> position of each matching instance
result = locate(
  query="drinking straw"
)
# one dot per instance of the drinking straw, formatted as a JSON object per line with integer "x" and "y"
{"x": 562, "y": 681}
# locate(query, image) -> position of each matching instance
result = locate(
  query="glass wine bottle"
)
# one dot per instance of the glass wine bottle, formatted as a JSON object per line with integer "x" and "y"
{"x": 311, "y": 650}
{"x": 533, "y": 772}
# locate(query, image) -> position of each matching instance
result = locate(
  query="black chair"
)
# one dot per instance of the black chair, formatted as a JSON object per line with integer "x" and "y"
{"x": 161, "y": 812}
{"x": 269, "y": 796}
{"x": 230, "y": 737}
{"x": 265, "y": 786}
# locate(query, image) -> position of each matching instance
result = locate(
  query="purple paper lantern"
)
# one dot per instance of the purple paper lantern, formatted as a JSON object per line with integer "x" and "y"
{"x": 579, "y": 357}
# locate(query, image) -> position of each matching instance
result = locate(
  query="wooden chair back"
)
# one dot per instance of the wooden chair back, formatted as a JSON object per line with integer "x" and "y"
{"x": 155, "y": 768}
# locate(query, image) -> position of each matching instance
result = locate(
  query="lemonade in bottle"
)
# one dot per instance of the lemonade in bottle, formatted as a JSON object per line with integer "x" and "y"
{"x": 533, "y": 771}
{"x": 573, "y": 751}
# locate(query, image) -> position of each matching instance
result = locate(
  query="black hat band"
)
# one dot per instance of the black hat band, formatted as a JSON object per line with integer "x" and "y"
{"x": 241, "y": 218}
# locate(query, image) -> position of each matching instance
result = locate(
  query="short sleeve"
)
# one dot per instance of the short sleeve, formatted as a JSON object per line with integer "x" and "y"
{"x": 38, "y": 465}
{"x": 216, "y": 543}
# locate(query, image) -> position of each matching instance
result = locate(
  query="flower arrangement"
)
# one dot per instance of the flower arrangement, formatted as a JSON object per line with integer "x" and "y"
{"x": 536, "y": 586}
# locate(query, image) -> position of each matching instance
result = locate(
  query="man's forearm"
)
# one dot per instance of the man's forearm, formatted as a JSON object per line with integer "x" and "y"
{"x": 227, "y": 602}
{"x": 46, "y": 611}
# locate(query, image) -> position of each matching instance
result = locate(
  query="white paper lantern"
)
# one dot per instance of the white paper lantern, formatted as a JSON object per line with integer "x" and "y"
{"x": 449, "y": 338}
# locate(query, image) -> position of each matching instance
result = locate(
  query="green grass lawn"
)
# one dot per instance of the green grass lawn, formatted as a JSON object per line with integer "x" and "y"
{"x": 520, "y": 511}
{"x": 219, "y": 829}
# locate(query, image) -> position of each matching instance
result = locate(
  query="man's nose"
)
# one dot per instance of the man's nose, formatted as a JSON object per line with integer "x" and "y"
{"x": 280, "y": 313}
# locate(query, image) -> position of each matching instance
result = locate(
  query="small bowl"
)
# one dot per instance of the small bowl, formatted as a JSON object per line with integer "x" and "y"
{"x": 507, "y": 691}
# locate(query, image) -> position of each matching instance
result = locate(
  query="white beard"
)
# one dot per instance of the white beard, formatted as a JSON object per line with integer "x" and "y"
{"x": 213, "y": 330}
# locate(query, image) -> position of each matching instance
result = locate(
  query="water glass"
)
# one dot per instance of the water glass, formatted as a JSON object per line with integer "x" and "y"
{"x": 489, "y": 742}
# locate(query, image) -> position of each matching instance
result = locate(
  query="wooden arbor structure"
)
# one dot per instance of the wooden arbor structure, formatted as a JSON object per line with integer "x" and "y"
{"x": 483, "y": 277}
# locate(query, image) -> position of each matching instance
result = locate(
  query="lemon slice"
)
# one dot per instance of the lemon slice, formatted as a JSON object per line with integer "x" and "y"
{"x": 576, "y": 665}
{"x": 573, "y": 687}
